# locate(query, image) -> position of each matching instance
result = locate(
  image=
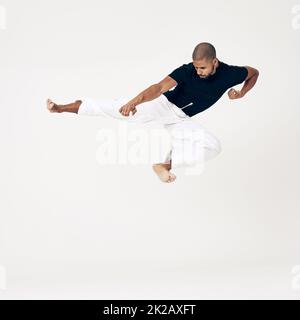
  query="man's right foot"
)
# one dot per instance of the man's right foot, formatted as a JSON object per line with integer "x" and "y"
{"x": 162, "y": 170}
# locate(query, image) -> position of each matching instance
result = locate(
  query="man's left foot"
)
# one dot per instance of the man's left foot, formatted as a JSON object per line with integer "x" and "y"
{"x": 51, "y": 106}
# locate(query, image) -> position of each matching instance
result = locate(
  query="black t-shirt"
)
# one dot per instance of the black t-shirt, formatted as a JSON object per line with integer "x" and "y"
{"x": 194, "y": 94}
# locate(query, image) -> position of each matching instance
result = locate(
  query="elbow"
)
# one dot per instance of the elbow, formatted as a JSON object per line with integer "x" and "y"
{"x": 252, "y": 73}
{"x": 255, "y": 73}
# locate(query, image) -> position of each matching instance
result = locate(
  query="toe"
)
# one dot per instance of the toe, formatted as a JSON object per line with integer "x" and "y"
{"x": 172, "y": 177}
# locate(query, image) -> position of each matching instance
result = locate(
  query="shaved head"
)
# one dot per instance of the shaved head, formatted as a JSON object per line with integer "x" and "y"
{"x": 204, "y": 51}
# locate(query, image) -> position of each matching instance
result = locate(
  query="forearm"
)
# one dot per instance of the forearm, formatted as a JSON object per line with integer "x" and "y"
{"x": 249, "y": 84}
{"x": 147, "y": 95}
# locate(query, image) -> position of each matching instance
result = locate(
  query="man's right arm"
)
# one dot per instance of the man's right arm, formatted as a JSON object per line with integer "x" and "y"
{"x": 152, "y": 92}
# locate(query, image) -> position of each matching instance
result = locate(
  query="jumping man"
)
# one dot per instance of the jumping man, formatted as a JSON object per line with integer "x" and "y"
{"x": 198, "y": 85}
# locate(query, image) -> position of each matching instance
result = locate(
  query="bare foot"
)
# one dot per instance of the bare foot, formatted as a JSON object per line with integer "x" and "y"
{"x": 51, "y": 106}
{"x": 163, "y": 172}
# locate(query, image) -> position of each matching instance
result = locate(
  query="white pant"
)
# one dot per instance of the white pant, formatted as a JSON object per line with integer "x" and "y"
{"x": 191, "y": 143}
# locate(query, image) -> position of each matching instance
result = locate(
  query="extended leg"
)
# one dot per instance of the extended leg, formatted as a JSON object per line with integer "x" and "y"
{"x": 108, "y": 108}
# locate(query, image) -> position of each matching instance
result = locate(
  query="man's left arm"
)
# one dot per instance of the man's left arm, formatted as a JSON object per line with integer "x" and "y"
{"x": 248, "y": 84}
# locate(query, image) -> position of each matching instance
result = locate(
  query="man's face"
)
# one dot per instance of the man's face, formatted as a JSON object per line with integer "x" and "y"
{"x": 205, "y": 68}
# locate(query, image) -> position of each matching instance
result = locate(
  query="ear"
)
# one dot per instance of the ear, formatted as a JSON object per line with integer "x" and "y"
{"x": 215, "y": 61}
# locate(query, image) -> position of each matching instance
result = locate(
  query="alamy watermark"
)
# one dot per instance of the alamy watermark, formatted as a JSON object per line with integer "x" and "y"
{"x": 3, "y": 22}
{"x": 184, "y": 146}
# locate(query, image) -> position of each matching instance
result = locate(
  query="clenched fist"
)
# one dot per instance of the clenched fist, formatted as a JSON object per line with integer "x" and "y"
{"x": 127, "y": 108}
{"x": 234, "y": 94}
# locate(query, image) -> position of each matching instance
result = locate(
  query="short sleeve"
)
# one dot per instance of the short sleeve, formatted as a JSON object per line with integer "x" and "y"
{"x": 179, "y": 74}
{"x": 237, "y": 74}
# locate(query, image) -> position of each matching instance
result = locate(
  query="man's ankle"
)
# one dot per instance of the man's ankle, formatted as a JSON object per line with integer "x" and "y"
{"x": 71, "y": 107}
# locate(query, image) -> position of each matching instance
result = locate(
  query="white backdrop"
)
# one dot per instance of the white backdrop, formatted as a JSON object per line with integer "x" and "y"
{"x": 72, "y": 228}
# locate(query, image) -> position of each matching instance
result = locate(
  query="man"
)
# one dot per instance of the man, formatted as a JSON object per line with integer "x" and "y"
{"x": 198, "y": 85}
